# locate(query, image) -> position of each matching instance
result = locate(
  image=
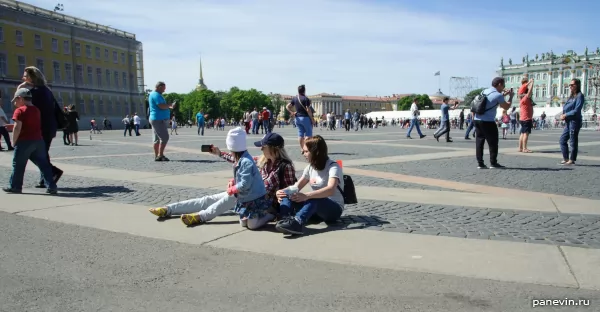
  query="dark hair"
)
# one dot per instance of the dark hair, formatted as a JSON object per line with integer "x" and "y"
{"x": 318, "y": 152}
{"x": 446, "y": 99}
{"x": 237, "y": 155}
{"x": 577, "y": 87}
{"x": 497, "y": 81}
{"x": 302, "y": 90}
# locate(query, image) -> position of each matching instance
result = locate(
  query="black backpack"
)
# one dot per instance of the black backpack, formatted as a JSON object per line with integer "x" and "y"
{"x": 349, "y": 192}
{"x": 479, "y": 102}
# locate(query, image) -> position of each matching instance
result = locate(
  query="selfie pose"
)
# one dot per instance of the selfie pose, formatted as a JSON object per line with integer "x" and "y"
{"x": 276, "y": 172}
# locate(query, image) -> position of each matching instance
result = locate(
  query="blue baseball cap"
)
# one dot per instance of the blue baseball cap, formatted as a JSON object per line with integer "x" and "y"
{"x": 271, "y": 139}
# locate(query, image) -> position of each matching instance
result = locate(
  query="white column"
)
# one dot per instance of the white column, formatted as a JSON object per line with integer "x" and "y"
{"x": 560, "y": 82}
{"x": 584, "y": 80}
{"x": 549, "y": 87}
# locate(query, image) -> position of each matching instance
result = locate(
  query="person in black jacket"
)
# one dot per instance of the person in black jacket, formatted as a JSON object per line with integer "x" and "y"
{"x": 43, "y": 99}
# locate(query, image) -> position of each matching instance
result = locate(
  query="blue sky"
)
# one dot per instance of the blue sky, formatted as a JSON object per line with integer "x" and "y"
{"x": 350, "y": 47}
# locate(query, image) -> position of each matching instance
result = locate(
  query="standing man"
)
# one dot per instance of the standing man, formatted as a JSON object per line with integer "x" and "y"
{"x": 255, "y": 124}
{"x": 347, "y": 117}
{"x": 266, "y": 119}
{"x": 160, "y": 113}
{"x": 485, "y": 124}
{"x": 445, "y": 122}
{"x": 461, "y": 117}
{"x": 414, "y": 122}
{"x": 137, "y": 121}
{"x": 303, "y": 114}
{"x": 200, "y": 123}
{"x": 525, "y": 113}
{"x": 356, "y": 118}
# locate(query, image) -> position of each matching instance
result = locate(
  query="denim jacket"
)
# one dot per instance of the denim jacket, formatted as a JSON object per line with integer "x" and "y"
{"x": 248, "y": 180}
{"x": 573, "y": 108}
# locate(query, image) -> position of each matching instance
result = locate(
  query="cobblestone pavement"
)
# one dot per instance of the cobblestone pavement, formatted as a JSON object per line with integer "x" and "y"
{"x": 529, "y": 173}
{"x": 466, "y": 222}
{"x": 524, "y": 173}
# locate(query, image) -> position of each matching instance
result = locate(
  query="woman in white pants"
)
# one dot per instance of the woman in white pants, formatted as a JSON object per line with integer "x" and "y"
{"x": 277, "y": 171}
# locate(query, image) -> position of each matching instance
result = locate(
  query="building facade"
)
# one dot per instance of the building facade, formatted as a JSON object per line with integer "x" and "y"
{"x": 324, "y": 103}
{"x": 97, "y": 68}
{"x": 552, "y": 74}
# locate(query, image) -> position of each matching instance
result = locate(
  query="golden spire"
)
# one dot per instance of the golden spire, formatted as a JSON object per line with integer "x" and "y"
{"x": 201, "y": 85}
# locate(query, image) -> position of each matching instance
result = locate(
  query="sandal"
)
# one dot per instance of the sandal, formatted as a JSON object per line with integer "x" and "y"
{"x": 159, "y": 212}
{"x": 527, "y": 151}
{"x": 190, "y": 219}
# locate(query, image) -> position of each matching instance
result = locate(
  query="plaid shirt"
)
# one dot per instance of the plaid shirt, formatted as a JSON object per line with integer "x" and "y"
{"x": 270, "y": 175}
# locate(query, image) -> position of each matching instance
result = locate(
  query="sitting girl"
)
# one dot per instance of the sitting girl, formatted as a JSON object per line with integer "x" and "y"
{"x": 250, "y": 198}
{"x": 325, "y": 201}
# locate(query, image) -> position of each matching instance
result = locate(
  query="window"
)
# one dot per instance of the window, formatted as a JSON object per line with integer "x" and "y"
{"x": 116, "y": 79}
{"x": 92, "y": 107}
{"x": 3, "y": 69}
{"x": 66, "y": 47}
{"x": 115, "y": 57}
{"x": 19, "y": 38}
{"x": 122, "y": 58}
{"x": 97, "y": 53}
{"x": 1, "y": 34}
{"x": 554, "y": 90}
{"x": 39, "y": 63}
{"x": 56, "y": 70}
{"x": 37, "y": 40}
{"x": 100, "y": 106}
{"x": 88, "y": 51}
{"x": 565, "y": 89}
{"x": 99, "y": 77}
{"x": 130, "y": 59}
{"x": 131, "y": 82}
{"x": 90, "y": 75}
{"x": 77, "y": 49}
{"x": 538, "y": 76}
{"x": 69, "y": 73}
{"x": 79, "y": 70}
{"x": 54, "y": 45}
{"x": 544, "y": 91}
{"x": 566, "y": 74}
{"x": 579, "y": 73}
{"x": 107, "y": 78}
{"x": 124, "y": 80}
{"x": 106, "y": 55}
{"x": 109, "y": 105}
{"x": 537, "y": 92}
{"x": 545, "y": 76}
{"x": 21, "y": 62}
{"x": 555, "y": 75}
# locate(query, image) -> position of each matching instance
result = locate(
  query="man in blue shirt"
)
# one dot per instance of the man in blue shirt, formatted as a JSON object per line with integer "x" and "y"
{"x": 485, "y": 124}
{"x": 347, "y": 117}
{"x": 445, "y": 121}
{"x": 200, "y": 122}
{"x": 160, "y": 114}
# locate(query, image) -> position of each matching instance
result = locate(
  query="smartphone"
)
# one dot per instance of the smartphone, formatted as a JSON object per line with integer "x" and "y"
{"x": 206, "y": 148}
{"x": 173, "y": 105}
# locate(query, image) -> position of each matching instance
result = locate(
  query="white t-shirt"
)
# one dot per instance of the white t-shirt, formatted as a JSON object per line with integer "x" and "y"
{"x": 319, "y": 179}
{"x": 2, "y": 114}
{"x": 136, "y": 120}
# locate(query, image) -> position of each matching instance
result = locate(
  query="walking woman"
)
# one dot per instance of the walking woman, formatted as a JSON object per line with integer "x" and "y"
{"x": 43, "y": 99}
{"x": 573, "y": 118}
{"x": 73, "y": 127}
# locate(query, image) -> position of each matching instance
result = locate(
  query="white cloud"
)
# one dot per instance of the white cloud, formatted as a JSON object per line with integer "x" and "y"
{"x": 343, "y": 47}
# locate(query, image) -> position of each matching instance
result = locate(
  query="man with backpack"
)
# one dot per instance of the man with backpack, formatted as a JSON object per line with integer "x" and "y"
{"x": 484, "y": 107}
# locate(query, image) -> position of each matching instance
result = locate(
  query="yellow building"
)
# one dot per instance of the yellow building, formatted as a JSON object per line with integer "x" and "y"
{"x": 95, "y": 67}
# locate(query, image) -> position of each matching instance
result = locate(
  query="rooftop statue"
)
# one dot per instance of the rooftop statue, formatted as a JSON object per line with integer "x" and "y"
{"x": 509, "y": 61}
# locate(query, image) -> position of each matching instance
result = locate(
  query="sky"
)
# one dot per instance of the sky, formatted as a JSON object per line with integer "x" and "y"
{"x": 349, "y": 47}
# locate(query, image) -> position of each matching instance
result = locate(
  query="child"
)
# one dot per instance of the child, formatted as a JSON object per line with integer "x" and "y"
{"x": 505, "y": 123}
{"x": 247, "y": 184}
{"x": 28, "y": 143}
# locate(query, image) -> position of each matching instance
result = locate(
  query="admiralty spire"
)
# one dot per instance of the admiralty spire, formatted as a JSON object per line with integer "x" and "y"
{"x": 201, "y": 85}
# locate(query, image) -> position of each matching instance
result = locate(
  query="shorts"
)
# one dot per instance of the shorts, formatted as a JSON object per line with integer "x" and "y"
{"x": 504, "y": 125}
{"x": 305, "y": 127}
{"x": 160, "y": 132}
{"x": 526, "y": 126}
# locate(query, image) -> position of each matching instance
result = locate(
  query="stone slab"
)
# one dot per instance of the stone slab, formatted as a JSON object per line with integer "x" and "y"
{"x": 497, "y": 260}
{"x": 136, "y": 220}
{"x": 34, "y": 199}
{"x": 585, "y": 264}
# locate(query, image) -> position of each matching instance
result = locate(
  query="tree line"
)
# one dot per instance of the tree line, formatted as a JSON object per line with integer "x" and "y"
{"x": 226, "y": 104}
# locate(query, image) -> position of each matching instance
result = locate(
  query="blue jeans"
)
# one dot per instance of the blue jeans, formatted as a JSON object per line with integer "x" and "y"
{"x": 36, "y": 151}
{"x": 324, "y": 208}
{"x": 201, "y": 128}
{"x": 267, "y": 126}
{"x": 414, "y": 123}
{"x": 254, "y": 126}
{"x": 469, "y": 128}
{"x": 571, "y": 131}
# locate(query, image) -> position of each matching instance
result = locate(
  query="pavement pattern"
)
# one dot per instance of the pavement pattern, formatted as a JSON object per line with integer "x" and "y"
{"x": 536, "y": 172}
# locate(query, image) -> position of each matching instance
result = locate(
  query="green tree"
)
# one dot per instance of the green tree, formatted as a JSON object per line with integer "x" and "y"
{"x": 279, "y": 104}
{"x": 424, "y": 102}
{"x": 469, "y": 97}
{"x": 205, "y": 101}
{"x": 177, "y": 111}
